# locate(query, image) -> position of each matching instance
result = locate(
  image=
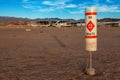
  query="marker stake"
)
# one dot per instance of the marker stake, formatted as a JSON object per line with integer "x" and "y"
{"x": 91, "y": 35}
{"x": 90, "y": 70}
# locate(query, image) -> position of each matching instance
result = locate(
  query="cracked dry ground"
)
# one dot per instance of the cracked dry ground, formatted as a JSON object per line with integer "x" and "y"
{"x": 57, "y": 54}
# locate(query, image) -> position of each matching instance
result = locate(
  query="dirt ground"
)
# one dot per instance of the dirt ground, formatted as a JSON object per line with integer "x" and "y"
{"x": 57, "y": 54}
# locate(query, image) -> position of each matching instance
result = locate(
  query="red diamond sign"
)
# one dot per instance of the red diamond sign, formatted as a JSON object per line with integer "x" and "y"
{"x": 90, "y": 26}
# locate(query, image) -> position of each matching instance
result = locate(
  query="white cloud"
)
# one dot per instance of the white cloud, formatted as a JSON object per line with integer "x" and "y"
{"x": 105, "y": 8}
{"x": 85, "y": 5}
{"x": 66, "y": 5}
{"x": 28, "y": 6}
{"x": 76, "y": 12}
{"x": 71, "y": 6}
{"x": 47, "y": 3}
{"x": 53, "y": 3}
{"x": 100, "y": 8}
{"x": 46, "y": 9}
{"x": 56, "y": 5}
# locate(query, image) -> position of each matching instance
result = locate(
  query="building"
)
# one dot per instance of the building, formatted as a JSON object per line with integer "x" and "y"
{"x": 63, "y": 24}
{"x": 109, "y": 24}
{"x": 41, "y": 23}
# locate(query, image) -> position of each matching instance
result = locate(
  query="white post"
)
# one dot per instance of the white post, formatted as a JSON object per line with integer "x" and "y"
{"x": 91, "y": 35}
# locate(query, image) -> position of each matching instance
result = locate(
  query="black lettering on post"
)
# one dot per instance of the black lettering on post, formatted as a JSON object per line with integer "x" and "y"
{"x": 90, "y": 17}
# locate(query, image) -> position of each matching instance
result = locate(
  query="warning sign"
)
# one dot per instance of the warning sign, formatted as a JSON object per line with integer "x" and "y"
{"x": 90, "y": 26}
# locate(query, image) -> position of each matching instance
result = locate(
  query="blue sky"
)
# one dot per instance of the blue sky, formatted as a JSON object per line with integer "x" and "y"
{"x": 58, "y": 8}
